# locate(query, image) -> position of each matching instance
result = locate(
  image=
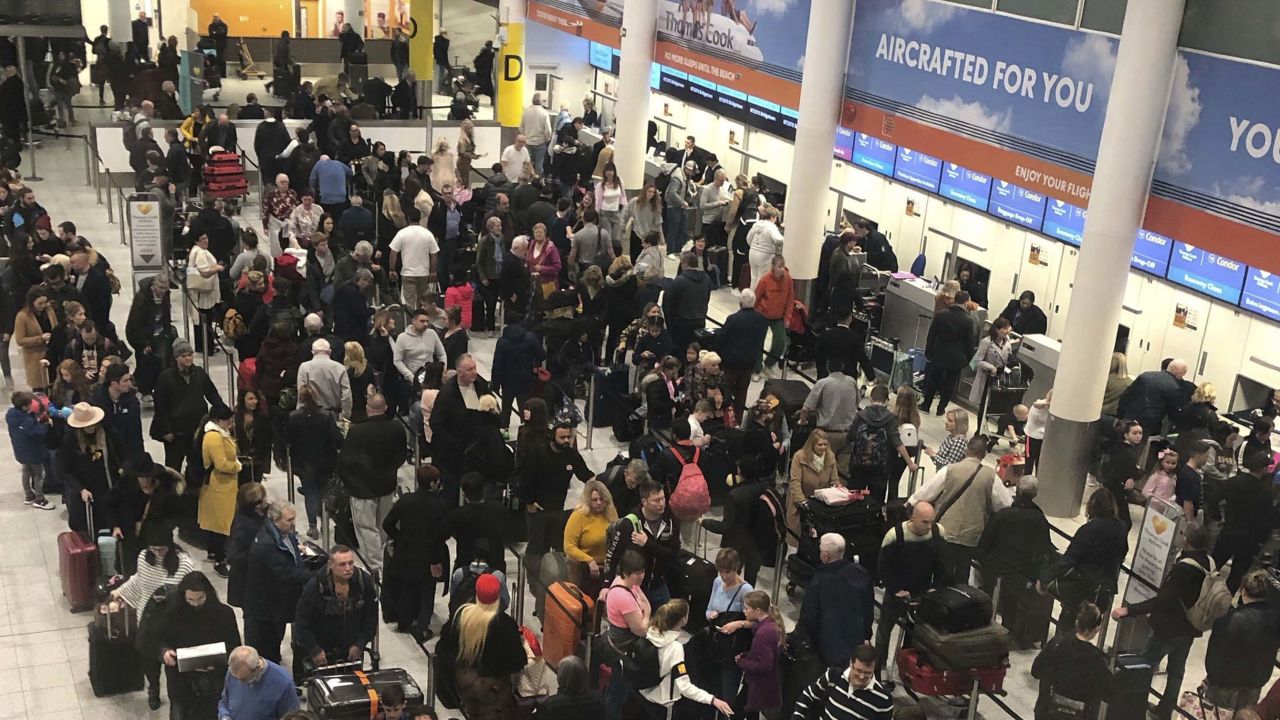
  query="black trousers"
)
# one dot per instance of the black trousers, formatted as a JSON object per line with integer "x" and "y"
{"x": 487, "y": 296}
{"x": 264, "y": 636}
{"x": 682, "y": 332}
{"x": 151, "y": 670}
{"x": 942, "y": 381}
{"x": 893, "y": 608}
{"x": 177, "y": 450}
{"x": 416, "y": 603}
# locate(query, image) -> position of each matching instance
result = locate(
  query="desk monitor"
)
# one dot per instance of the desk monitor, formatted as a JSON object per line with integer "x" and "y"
{"x": 882, "y": 358}
{"x": 854, "y": 218}
{"x": 775, "y": 191}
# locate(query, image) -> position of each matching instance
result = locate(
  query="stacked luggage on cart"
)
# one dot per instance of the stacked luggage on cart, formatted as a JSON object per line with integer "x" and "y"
{"x": 861, "y": 523}
{"x": 956, "y": 648}
{"x": 224, "y": 176}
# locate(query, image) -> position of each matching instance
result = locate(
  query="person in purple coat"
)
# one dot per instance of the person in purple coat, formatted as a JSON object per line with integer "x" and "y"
{"x": 762, "y": 663}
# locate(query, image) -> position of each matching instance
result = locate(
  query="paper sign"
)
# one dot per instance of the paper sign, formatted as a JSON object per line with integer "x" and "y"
{"x": 144, "y": 234}
{"x": 1155, "y": 549}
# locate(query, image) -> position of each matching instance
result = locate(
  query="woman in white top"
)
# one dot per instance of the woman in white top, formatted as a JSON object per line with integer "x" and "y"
{"x": 764, "y": 240}
{"x": 664, "y": 633}
{"x": 611, "y": 202}
{"x": 992, "y": 357}
{"x": 203, "y": 288}
{"x": 444, "y": 171}
{"x": 1037, "y": 418}
{"x": 644, "y": 216}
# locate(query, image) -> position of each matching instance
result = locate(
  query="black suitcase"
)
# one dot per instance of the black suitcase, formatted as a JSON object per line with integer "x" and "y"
{"x": 860, "y": 523}
{"x": 1025, "y": 613}
{"x": 611, "y": 388}
{"x": 628, "y": 424}
{"x": 801, "y": 666}
{"x": 790, "y": 393}
{"x": 956, "y": 609}
{"x": 1132, "y": 682}
{"x": 114, "y": 664}
{"x": 799, "y": 571}
{"x": 348, "y": 697}
{"x": 357, "y": 70}
{"x": 981, "y": 648}
{"x": 691, "y": 580}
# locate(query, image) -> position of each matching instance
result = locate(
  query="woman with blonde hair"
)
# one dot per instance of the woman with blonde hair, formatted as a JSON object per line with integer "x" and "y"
{"x": 1118, "y": 381}
{"x": 480, "y": 649}
{"x": 466, "y": 152}
{"x": 585, "y": 535}
{"x": 955, "y": 445}
{"x": 361, "y": 376}
{"x": 812, "y": 467}
{"x": 946, "y": 295}
{"x": 664, "y": 633}
{"x": 444, "y": 169}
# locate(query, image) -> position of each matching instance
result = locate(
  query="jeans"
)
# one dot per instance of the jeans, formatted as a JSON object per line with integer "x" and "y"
{"x": 739, "y": 383}
{"x": 401, "y": 70}
{"x": 658, "y": 595}
{"x": 611, "y": 220}
{"x": 537, "y": 157}
{"x": 312, "y": 489}
{"x": 33, "y": 482}
{"x": 777, "y": 345}
{"x": 1176, "y": 650}
{"x": 939, "y": 380}
{"x": 615, "y": 696}
{"x": 673, "y": 226}
{"x": 510, "y": 401}
{"x": 367, "y": 517}
{"x": 893, "y": 608}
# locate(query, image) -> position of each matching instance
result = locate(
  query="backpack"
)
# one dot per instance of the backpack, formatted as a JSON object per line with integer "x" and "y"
{"x": 233, "y": 325}
{"x": 466, "y": 590}
{"x": 1214, "y": 600}
{"x": 869, "y": 446}
{"x": 640, "y": 665}
{"x": 196, "y": 472}
{"x": 663, "y": 180}
{"x": 691, "y": 499}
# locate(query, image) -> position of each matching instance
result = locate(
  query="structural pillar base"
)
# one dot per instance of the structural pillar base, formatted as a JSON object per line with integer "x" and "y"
{"x": 1063, "y": 465}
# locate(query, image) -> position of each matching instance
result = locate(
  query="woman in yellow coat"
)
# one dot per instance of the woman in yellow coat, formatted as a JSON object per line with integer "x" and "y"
{"x": 218, "y": 495}
{"x": 812, "y": 468}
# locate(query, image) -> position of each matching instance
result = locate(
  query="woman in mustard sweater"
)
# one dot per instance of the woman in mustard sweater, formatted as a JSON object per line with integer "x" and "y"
{"x": 585, "y": 534}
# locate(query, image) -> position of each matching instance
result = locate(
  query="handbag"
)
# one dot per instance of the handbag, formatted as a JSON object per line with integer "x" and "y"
{"x": 198, "y": 282}
{"x": 725, "y": 647}
{"x": 1193, "y": 704}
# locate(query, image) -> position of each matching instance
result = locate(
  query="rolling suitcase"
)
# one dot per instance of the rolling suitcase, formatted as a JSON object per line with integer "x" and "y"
{"x": 357, "y": 70}
{"x": 956, "y": 609}
{"x": 114, "y": 664}
{"x": 801, "y": 665}
{"x": 611, "y": 388}
{"x": 1132, "y": 683}
{"x": 799, "y": 571}
{"x": 79, "y": 567}
{"x": 1025, "y": 613}
{"x": 919, "y": 676}
{"x": 552, "y": 568}
{"x": 565, "y": 622}
{"x": 790, "y": 393}
{"x": 691, "y": 579}
{"x": 983, "y": 647}
{"x": 355, "y": 696}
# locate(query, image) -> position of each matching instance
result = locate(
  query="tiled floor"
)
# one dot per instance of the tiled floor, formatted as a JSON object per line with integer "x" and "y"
{"x": 43, "y": 647}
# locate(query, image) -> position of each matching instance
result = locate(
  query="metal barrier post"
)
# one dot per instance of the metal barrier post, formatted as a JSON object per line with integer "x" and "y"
{"x": 779, "y": 569}
{"x": 123, "y": 217}
{"x": 591, "y": 408}
{"x": 88, "y": 175}
{"x": 186, "y": 311}
{"x": 417, "y": 449}
{"x": 231, "y": 373}
{"x": 288, "y": 475}
{"x": 111, "y": 211}
{"x": 326, "y": 535}
{"x": 521, "y": 582}
{"x": 995, "y": 597}
{"x": 973, "y": 700}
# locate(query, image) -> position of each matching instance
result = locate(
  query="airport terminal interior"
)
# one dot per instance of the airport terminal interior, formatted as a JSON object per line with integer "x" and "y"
{"x": 967, "y": 133}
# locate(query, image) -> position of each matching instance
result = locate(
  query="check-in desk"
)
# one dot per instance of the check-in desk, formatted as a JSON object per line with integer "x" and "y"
{"x": 908, "y": 311}
{"x": 1039, "y": 353}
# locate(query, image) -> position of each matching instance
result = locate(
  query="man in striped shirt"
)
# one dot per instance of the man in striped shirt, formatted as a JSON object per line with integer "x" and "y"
{"x": 852, "y": 694}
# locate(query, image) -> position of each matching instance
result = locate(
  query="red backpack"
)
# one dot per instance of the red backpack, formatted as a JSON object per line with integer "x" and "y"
{"x": 691, "y": 499}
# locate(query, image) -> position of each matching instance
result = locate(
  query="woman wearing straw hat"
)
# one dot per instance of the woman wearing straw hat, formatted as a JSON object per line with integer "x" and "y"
{"x": 89, "y": 466}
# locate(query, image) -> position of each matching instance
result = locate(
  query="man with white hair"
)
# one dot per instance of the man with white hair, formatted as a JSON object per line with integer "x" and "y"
{"x": 740, "y": 340}
{"x": 535, "y": 125}
{"x": 1015, "y": 546}
{"x": 513, "y": 280}
{"x": 838, "y": 602}
{"x": 517, "y": 161}
{"x": 357, "y": 221}
{"x": 256, "y": 688}
{"x": 276, "y": 211}
{"x": 219, "y": 134}
{"x": 360, "y": 257}
{"x": 1155, "y": 395}
{"x": 329, "y": 379}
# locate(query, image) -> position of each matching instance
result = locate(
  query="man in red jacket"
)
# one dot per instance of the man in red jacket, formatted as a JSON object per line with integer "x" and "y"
{"x": 775, "y": 299}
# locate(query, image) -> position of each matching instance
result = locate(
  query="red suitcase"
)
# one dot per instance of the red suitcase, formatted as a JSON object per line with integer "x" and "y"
{"x": 224, "y": 157}
{"x": 78, "y": 566}
{"x": 924, "y": 679}
{"x": 223, "y": 169}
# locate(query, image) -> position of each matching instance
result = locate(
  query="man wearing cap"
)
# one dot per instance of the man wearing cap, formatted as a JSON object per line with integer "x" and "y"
{"x": 183, "y": 394}
{"x": 337, "y": 614}
{"x": 123, "y": 413}
{"x": 328, "y": 377}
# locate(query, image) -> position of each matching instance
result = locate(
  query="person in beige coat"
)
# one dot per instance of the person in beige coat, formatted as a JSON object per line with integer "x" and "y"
{"x": 218, "y": 495}
{"x": 32, "y": 329}
{"x": 812, "y": 468}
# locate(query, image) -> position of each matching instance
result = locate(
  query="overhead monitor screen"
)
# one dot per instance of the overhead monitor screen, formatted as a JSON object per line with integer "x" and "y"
{"x": 965, "y": 186}
{"x": 1261, "y": 293}
{"x": 601, "y": 57}
{"x": 1016, "y": 204}
{"x": 1064, "y": 221}
{"x": 916, "y": 168}
{"x": 1151, "y": 253}
{"x": 1203, "y": 271}
{"x": 844, "y": 143}
{"x": 874, "y": 154}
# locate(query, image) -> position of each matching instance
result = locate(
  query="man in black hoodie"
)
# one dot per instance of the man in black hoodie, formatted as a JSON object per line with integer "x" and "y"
{"x": 1171, "y": 632}
{"x": 685, "y": 303}
{"x": 375, "y": 449}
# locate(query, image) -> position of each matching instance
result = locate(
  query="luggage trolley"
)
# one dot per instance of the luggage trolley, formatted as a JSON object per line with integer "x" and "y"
{"x": 248, "y": 68}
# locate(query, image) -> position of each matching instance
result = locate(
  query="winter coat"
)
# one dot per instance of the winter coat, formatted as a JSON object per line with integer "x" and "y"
{"x": 675, "y": 683}
{"x": 1242, "y": 646}
{"x": 688, "y": 296}
{"x": 837, "y": 609}
{"x": 373, "y": 451}
{"x": 1015, "y": 543}
{"x": 218, "y": 494}
{"x": 950, "y": 340}
{"x": 417, "y": 526}
{"x": 27, "y": 437}
{"x": 96, "y": 472}
{"x": 1150, "y": 398}
{"x": 181, "y": 625}
{"x": 181, "y": 400}
{"x": 517, "y": 353}
{"x": 762, "y": 668}
{"x": 351, "y": 313}
{"x": 313, "y": 439}
{"x": 27, "y": 334}
{"x": 804, "y": 481}
{"x": 1168, "y": 609}
{"x": 325, "y": 622}
{"x": 277, "y": 367}
{"x": 276, "y": 574}
{"x": 244, "y": 529}
{"x": 741, "y": 339}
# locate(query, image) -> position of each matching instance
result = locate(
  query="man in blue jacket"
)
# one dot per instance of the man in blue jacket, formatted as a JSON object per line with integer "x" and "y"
{"x": 739, "y": 343}
{"x": 838, "y": 601}
{"x": 276, "y": 577}
{"x": 329, "y": 181}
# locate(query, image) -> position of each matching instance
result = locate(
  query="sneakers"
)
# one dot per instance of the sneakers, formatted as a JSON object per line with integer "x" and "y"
{"x": 41, "y": 504}
{"x": 756, "y": 377}
{"x": 222, "y": 568}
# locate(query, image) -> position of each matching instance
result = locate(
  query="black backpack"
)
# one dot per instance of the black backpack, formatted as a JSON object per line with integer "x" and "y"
{"x": 196, "y": 472}
{"x": 868, "y": 446}
{"x": 466, "y": 590}
{"x": 640, "y": 664}
{"x": 663, "y": 180}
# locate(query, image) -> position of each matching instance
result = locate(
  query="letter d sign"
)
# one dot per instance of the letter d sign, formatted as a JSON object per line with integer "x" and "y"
{"x": 511, "y": 94}
{"x": 512, "y": 68}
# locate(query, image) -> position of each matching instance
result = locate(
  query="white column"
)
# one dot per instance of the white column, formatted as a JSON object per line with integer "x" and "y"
{"x": 354, "y": 10}
{"x": 821, "y": 92}
{"x": 120, "y": 17}
{"x": 631, "y": 117}
{"x": 1140, "y": 90}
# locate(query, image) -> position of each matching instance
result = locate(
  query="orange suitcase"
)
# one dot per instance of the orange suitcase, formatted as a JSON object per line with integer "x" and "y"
{"x": 568, "y": 614}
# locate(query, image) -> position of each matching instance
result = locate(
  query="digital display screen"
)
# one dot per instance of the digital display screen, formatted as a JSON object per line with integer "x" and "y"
{"x": 1261, "y": 293}
{"x": 1064, "y": 221}
{"x": 655, "y": 76}
{"x": 769, "y": 117}
{"x": 1203, "y": 271}
{"x": 733, "y": 105}
{"x": 874, "y": 154}
{"x": 844, "y": 143}
{"x": 601, "y": 57}
{"x": 702, "y": 90}
{"x": 916, "y": 168}
{"x": 965, "y": 186}
{"x": 1016, "y": 204}
{"x": 1151, "y": 253}
{"x": 789, "y": 119}
{"x": 675, "y": 84}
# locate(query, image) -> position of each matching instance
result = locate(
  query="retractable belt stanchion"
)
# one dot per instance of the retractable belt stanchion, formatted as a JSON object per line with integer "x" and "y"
{"x": 288, "y": 476}
{"x": 591, "y": 408}
{"x": 521, "y": 583}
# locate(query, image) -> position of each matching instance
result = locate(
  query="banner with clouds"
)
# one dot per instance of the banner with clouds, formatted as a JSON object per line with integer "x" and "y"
{"x": 1036, "y": 88}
